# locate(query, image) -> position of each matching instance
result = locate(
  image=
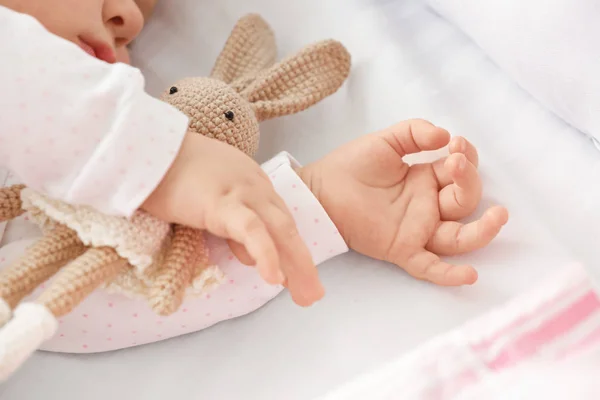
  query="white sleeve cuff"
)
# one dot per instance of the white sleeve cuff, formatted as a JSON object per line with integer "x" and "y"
{"x": 314, "y": 225}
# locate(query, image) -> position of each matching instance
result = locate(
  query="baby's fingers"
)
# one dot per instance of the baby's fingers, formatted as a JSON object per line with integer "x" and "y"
{"x": 296, "y": 260}
{"x": 244, "y": 226}
{"x": 452, "y": 238}
{"x": 240, "y": 252}
{"x": 415, "y": 135}
{"x": 427, "y": 266}
{"x": 458, "y": 144}
{"x": 461, "y": 198}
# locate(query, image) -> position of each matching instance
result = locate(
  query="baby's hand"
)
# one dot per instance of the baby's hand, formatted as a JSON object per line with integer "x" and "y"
{"x": 212, "y": 185}
{"x": 404, "y": 214}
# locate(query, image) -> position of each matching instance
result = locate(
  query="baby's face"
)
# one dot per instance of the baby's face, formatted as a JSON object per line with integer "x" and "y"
{"x": 102, "y": 28}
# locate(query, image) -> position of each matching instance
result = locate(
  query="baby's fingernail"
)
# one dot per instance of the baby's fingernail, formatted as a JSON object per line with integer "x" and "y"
{"x": 463, "y": 145}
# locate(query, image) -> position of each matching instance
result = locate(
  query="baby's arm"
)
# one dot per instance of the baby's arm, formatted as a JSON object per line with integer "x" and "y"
{"x": 77, "y": 128}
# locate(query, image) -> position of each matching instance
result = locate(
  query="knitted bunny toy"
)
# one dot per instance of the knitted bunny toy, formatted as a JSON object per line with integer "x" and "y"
{"x": 142, "y": 255}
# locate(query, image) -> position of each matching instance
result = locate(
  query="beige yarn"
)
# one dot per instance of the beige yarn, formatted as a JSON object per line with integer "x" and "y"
{"x": 144, "y": 256}
{"x": 136, "y": 239}
{"x": 41, "y": 262}
{"x": 10, "y": 202}
{"x": 205, "y": 101}
{"x": 80, "y": 278}
{"x": 299, "y": 81}
{"x": 187, "y": 249}
{"x": 250, "y": 49}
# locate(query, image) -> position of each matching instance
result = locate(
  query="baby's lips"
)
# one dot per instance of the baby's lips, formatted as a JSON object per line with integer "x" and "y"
{"x": 106, "y": 53}
{"x": 88, "y": 49}
{"x": 99, "y": 49}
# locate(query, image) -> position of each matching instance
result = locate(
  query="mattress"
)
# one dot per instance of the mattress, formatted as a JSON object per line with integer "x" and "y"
{"x": 408, "y": 62}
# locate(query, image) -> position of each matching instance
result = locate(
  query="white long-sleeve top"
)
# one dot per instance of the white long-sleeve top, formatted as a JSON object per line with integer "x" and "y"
{"x": 77, "y": 128}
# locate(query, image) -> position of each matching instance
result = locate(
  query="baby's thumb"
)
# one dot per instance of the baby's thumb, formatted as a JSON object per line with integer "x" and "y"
{"x": 414, "y": 136}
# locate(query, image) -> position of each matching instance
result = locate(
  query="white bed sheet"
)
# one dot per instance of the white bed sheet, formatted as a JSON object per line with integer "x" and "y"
{"x": 407, "y": 63}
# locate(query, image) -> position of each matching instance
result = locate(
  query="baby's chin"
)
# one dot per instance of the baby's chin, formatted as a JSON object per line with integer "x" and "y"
{"x": 123, "y": 55}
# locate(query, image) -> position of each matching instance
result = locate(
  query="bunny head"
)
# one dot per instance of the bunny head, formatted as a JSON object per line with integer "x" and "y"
{"x": 246, "y": 86}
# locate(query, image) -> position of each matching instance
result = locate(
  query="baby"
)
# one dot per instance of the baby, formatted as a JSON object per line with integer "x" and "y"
{"x": 69, "y": 126}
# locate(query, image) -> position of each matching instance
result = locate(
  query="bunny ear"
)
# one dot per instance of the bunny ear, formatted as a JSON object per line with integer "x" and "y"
{"x": 250, "y": 49}
{"x": 300, "y": 81}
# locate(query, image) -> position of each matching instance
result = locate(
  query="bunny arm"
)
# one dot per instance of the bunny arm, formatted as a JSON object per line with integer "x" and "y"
{"x": 10, "y": 202}
{"x": 187, "y": 250}
{"x": 41, "y": 261}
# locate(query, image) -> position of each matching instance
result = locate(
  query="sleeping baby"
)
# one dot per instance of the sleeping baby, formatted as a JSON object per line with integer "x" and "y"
{"x": 281, "y": 218}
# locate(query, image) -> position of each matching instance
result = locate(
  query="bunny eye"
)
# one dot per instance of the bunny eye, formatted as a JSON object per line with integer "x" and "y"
{"x": 229, "y": 115}
{"x": 173, "y": 90}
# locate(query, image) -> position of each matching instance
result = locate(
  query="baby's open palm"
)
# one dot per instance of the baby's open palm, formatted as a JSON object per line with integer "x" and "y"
{"x": 404, "y": 214}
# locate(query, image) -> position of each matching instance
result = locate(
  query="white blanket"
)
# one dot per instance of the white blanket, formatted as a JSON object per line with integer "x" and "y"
{"x": 549, "y": 47}
{"x": 408, "y": 62}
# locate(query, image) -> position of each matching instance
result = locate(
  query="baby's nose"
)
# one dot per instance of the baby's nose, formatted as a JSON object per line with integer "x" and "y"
{"x": 124, "y": 19}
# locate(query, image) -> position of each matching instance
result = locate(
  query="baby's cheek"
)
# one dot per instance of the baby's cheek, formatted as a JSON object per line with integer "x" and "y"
{"x": 123, "y": 55}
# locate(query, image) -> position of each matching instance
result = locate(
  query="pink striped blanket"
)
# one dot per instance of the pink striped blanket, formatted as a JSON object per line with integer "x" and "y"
{"x": 544, "y": 344}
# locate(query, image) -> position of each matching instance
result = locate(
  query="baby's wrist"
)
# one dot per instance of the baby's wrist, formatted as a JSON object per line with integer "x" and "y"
{"x": 312, "y": 179}
{"x": 308, "y": 176}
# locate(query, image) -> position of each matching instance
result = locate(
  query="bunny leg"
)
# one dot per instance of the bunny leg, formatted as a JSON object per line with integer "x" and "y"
{"x": 187, "y": 249}
{"x": 42, "y": 260}
{"x": 10, "y": 202}
{"x": 80, "y": 278}
{"x": 34, "y": 323}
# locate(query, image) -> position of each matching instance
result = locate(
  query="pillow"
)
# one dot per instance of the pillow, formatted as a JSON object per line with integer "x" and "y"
{"x": 551, "y": 48}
